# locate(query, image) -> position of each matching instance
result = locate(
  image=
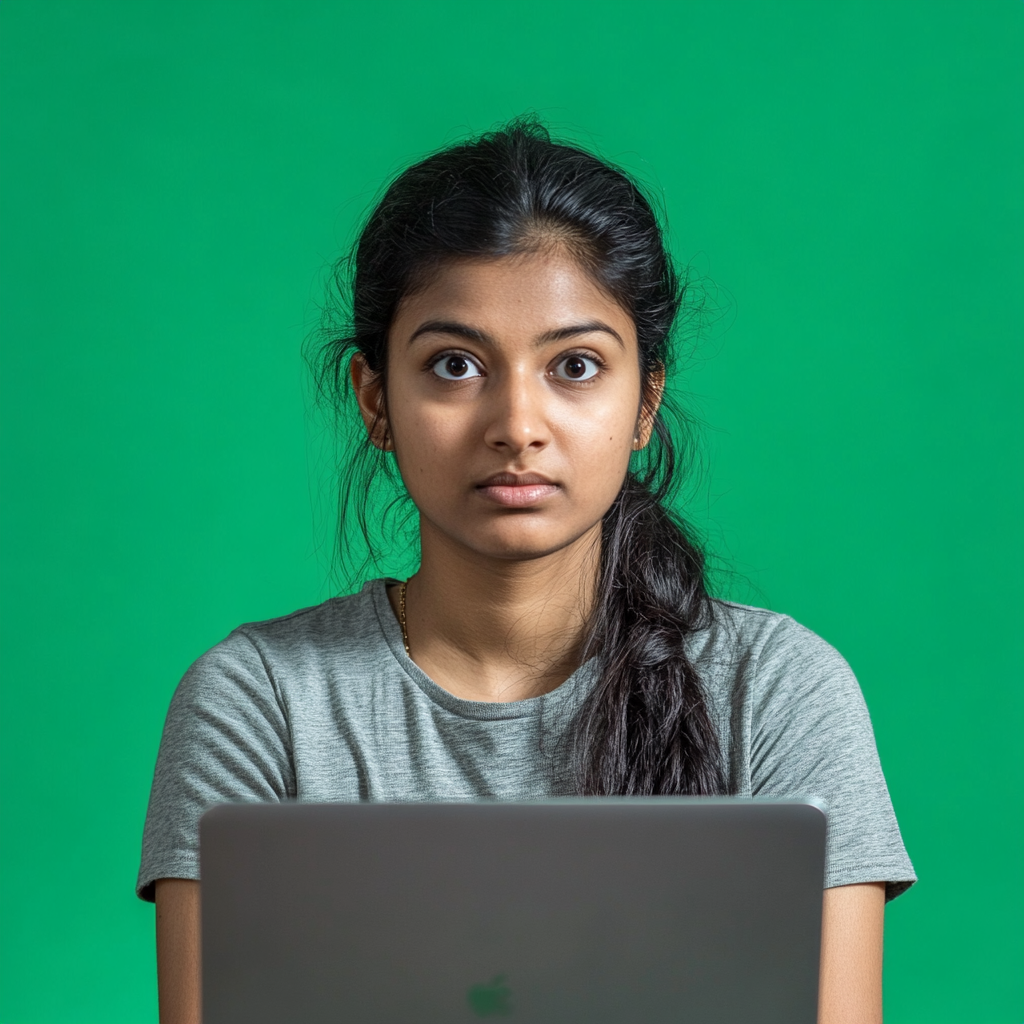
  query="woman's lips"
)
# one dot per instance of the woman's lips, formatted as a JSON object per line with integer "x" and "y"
{"x": 518, "y": 496}
{"x": 517, "y": 492}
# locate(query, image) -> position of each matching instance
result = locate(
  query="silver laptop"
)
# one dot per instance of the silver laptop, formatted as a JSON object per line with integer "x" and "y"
{"x": 568, "y": 911}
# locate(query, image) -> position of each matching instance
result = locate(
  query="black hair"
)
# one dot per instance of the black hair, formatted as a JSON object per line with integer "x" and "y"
{"x": 645, "y": 727}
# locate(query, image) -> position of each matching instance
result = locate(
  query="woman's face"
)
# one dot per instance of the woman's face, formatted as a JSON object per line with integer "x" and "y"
{"x": 513, "y": 403}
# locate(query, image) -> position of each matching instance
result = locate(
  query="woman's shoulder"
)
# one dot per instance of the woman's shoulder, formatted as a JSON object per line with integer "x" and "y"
{"x": 770, "y": 654}
{"x": 796, "y": 725}
{"x": 349, "y": 620}
{"x": 743, "y": 630}
{"x": 345, "y": 633}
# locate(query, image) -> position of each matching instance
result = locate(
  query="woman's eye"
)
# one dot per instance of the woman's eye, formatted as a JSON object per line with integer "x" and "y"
{"x": 456, "y": 368}
{"x": 577, "y": 368}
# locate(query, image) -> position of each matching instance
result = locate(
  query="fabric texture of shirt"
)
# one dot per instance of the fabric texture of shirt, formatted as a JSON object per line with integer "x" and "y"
{"x": 325, "y": 705}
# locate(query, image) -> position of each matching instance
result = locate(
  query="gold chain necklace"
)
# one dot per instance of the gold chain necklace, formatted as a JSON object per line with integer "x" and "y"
{"x": 401, "y": 616}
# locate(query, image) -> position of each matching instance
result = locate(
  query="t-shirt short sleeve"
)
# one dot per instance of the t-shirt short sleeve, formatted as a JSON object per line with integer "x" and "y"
{"x": 811, "y": 736}
{"x": 323, "y": 704}
{"x": 225, "y": 739}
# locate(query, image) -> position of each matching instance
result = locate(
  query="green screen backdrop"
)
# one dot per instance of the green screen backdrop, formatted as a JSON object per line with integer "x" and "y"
{"x": 177, "y": 175}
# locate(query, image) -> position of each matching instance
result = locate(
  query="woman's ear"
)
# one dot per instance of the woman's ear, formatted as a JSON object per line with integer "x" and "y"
{"x": 369, "y": 389}
{"x": 653, "y": 389}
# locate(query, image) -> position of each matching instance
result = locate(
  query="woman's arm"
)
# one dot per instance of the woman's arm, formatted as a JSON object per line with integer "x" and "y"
{"x": 851, "y": 954}
{"x": 177, "y": 950}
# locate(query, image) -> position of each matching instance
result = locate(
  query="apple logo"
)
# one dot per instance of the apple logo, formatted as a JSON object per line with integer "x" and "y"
{"x": 491, "y": 1000}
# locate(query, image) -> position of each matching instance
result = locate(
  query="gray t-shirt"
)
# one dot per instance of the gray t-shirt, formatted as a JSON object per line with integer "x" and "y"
{"x": 325, "y": 705}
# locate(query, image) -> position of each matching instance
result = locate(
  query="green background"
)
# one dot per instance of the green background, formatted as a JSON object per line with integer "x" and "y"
{"x": 176, "y": 177}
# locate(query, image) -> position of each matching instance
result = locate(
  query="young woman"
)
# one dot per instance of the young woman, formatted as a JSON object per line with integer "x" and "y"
{"x": 512, "y": 313}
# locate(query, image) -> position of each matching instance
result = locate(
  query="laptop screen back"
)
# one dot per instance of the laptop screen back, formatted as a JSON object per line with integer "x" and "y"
{"x": 562, "y": 911}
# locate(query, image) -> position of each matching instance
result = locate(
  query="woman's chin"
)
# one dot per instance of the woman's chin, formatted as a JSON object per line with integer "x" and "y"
{"x": 522, "y": 542}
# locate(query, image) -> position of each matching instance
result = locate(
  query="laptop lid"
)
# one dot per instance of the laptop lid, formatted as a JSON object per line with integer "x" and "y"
{"x": 593, "y": 910}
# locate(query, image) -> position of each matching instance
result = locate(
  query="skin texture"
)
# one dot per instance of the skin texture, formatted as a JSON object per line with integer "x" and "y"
{"x": 497, "y": 610}
{"x": 850, "y": 989}
{"x": 177, "y": 950}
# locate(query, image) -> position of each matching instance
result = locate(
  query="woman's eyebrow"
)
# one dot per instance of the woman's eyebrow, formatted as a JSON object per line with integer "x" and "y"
{"x": 561, "y": 333}
{"x": 451, "y": 327}
{"x": 474, "y": 334}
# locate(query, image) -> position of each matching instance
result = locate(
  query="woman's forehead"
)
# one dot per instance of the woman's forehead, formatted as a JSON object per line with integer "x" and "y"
{"x": 530, "y": 293}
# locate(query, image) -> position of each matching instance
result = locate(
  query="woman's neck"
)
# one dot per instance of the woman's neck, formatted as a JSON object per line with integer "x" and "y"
{"x": 491, "y": 629}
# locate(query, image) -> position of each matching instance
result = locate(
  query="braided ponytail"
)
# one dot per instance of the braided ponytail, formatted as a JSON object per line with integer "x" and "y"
{"x": 645, "y": 727}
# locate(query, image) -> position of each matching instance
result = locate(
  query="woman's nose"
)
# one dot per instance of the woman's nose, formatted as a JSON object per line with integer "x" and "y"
{"x": 516, "y": 414}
